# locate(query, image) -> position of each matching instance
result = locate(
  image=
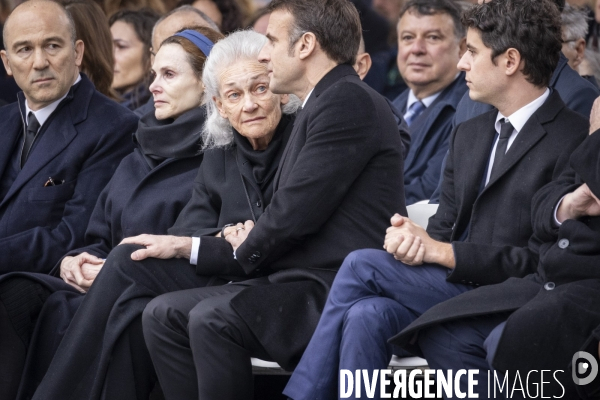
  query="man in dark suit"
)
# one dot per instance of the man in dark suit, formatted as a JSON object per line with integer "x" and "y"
{"x": 538, "y": 322}
{"x": 480, "y": 232}
{"x": 60, "y": 143}
{"x": 430, "y": 44}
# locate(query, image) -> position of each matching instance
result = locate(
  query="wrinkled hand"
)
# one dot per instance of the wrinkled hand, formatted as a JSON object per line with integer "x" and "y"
{"x": 80, "y": 271}
{"x": 404, "y": 240}
{"x": 160, "y": 246}
{"x": 239, "y": 234}
{"x": 579, "y": 203}
{"x": 595, "y": 116}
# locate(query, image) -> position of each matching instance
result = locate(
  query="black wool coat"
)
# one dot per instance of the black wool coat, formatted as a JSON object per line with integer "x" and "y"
{"x": 496, "y": 219}
{"x": 82, "y": 143}
{"x": 138, "y": 199}
{"x": 553, "y": 312}
{"x": 338, "y": 183}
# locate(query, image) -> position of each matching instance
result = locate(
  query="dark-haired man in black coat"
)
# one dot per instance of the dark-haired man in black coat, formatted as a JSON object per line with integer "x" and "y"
{"x": 538, "y": 322}
{"x": 480, "y": 232}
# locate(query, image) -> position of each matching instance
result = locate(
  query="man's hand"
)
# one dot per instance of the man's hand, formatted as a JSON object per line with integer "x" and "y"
{"x": 157, "y": 246}
{"x": 80, "y": 271}
{"x": 411, "y": 244}
{"x": 577, "y": 204}
{"x": 595, "y": 116}
{"x": 239, "y": 234}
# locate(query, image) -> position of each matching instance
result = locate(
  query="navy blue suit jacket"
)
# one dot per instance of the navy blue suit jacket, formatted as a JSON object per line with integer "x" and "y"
{"x": 430, "y": 134}
{"x": 83, "y": 143}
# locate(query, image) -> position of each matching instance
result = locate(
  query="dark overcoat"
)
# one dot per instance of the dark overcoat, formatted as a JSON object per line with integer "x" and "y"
{"x": 490, "y": 226}
{"x": 138, "y": 199}
{"x": 554, "y": 312}
{"x": 82, "y": 143}
{"x": 430, "y": 135}
{"x": 338, "y": 183}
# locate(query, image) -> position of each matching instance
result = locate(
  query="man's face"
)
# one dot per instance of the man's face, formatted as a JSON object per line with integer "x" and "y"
{"x": 171, "y": 25}
{"x": 40, "y": 53}
{"x": 283, "y": 64}
{"x": 428, "y": 51}
{"x": 484, "y": 79}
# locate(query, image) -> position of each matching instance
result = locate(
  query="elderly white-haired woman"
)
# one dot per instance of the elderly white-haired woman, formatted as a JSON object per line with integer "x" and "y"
{"x": 245, "y": 134}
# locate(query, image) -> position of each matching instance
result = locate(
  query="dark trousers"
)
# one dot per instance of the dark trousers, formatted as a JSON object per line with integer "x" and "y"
{"x": 102, "y": 355}
{"x": 372, "y": 298}
{"x": 469, "y": 343}
{"x": 199, "y": 345}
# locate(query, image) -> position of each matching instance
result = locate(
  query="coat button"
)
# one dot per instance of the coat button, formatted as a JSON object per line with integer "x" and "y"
{"x": 549, "y": 285}
{"x": 256, "y": 254}
{"x": 563, "y": 243}
{"x": 258, "y": 204}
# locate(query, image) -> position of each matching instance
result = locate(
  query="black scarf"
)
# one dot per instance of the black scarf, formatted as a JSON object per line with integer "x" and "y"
{"x": 169, "y": 138}
{"x": 264, "y": 163}
{"x": 585, "y": 160}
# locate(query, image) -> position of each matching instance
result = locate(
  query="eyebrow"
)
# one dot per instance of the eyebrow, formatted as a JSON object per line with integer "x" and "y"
{"x": 29, "y": 42}
{"x": 471, "y": 48}
{"x": 251, "y": 79}
{"x": 438, "y": 31}
{"x": 271, "y": 38}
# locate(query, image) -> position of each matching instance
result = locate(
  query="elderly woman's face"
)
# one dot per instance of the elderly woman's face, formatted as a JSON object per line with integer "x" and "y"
{"x": 246, "y": 101}
{"x": 175, "y": 88}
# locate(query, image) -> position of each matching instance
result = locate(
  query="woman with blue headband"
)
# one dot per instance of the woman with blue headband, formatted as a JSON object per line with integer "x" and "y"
{"x": 103, "y": 354}
{"x": 145, "y": 195}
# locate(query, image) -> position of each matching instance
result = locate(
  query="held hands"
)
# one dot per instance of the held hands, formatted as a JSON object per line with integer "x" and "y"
{"x": 579, "y": 203}
{"x": 410, "y": 244}
{"x": 81, "y": 270}
{"x": 236, "y": 235}
{"x": 158, "y": 246}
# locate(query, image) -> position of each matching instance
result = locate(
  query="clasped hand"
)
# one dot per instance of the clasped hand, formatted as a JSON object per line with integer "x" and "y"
{"x": 404, "y": 240}
{"x": 81, "y": 270}
{"x": 236, "y": 235}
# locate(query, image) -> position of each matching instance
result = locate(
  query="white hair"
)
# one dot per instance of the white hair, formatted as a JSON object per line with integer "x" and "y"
{"x": 574, "y": 24}
{"x": 240, "y": 45}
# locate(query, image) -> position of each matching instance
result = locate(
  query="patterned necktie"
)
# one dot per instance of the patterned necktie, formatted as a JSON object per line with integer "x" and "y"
{"x": 414, "y": 111}
{"x": 32, "y": 128}
{"x": 506, "y": 129}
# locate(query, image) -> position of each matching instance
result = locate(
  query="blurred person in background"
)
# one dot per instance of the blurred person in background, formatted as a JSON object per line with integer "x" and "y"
{"x": 132, "y": 34}
{"x": 169, "y": 24}
{"x": 159, "y": 6}
{"x": 227, "y": 14}
{"x": 91, "y": 26}
{"x": 259, "y": 20}
{"x": 590, "y": 66}
{"x": 574, "y": 32}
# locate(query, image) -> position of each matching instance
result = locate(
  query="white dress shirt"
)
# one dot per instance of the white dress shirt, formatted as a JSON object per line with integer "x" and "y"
{"x": 518, "y": 119}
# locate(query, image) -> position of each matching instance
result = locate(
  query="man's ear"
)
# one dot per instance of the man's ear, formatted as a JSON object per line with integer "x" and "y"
{"x": 306, "y": 45}
{"x": 284, "y": 98}
{"x": 363, "y": 65}
{"x": 580, "y": 48}
{"x": 219, "y": 104}
{"x": 512, "y": 61}
{"x": 79, "y": 48}
{"x": 6, "y": 62}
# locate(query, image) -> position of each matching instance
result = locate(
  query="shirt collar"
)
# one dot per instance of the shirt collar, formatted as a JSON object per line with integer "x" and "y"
{"x": 412, "y": 99}
{"x": 43, "y": 114}
{"x": 307, "y": 96}
{"x": 519, "y": 118}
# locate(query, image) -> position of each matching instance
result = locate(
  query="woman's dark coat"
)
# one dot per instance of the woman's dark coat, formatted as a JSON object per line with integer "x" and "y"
{"x": 138, "y": 199}
{"x": 554, "y": 312}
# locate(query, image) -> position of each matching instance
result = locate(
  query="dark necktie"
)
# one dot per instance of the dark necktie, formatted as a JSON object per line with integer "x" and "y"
{"x": 414, "y": 111}
{"x": 506, "y": 129}
{"x": 32, "y": 128}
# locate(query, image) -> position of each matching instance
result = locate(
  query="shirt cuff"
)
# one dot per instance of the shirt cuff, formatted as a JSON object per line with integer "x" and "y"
{"x": 195, "y": 250}
{"x": 556, "y": 211}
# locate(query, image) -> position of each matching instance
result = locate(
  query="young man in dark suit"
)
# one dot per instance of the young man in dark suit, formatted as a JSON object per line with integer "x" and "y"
{"x": 538, "y": 322}
{"x": 480, "y": 232}
{"x": 430, "y": 44}
{"x": 60, "y": 143}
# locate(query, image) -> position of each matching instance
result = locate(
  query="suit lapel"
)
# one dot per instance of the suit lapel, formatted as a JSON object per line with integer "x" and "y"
{"x": 57, "y": 136}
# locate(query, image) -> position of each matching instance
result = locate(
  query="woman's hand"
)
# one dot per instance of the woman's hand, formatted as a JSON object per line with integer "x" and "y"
{"x": 236, "y": 235}
{"x": 81, "y": 270}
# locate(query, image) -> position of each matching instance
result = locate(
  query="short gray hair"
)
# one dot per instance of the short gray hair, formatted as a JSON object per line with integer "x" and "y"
{"x": 187, "y": 9}
{"x": 240, "y": 45}
{"x": 574, "y": 24}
